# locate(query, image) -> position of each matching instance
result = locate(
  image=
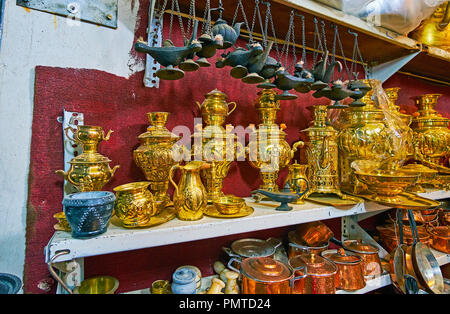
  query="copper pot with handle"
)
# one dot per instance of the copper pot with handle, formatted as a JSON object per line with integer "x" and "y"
{"x": 369, "y": 255}
{"x": 320, "y": 274}
{"x": 265, "y": 275}
{"x": 440, "y": 238}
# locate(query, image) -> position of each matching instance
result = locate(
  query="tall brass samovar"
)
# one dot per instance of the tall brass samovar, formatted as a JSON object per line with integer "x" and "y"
{"x": 431, "y": 133}
{"x": 268, "y": 150}
{"x": 216, "y": 144}
{"x": 322, "y": 154}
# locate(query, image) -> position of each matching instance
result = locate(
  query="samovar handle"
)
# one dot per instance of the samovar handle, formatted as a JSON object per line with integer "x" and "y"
{"x": 106, "y": 138}
{"x": 74, "y": 131}
{"x": 113, "y": 170}
{"x": 234, "y": 108}
{"x": 199, "y": 105}
{"x": 295, "y": 147}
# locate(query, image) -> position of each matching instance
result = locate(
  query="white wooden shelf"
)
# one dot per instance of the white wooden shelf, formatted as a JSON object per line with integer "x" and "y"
{"x": 118, "y": 239}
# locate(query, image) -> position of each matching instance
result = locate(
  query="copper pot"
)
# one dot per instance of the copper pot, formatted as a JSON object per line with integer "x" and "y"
{"x": 389, "y": 236}
{"x": 444, "y": 217}
{"x": 265, "y": 275}
{"x": 313, "y": 234}
{"x": 350, "y": 274}
{"x": 296, "y": 247}
{"x": 440, "y": 238}
{"x": 369, "y": 255}
{"x": 320, "y": 274}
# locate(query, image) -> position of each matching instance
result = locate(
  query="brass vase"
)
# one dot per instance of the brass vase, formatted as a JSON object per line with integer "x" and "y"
{"x": 268, "y": 150}
{"x": 157, "y": 155}
{"x": 134, "y": 204}
{"x": 89, "y": 171}
{"x": 190, "y": 197}
{"x": 431, "y": 133}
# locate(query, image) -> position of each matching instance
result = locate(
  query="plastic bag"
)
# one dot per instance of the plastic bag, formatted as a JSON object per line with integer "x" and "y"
{"x": 400, "y": 16}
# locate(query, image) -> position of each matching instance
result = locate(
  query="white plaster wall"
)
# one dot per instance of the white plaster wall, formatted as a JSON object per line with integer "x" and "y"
{"x": 32, "y": 38}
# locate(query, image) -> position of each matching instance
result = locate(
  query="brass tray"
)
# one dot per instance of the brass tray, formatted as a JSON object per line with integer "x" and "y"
{"x": 439, "y": 168}
{"x": 212, "y": 211}
{"x": 166, "y": 214}
{"x": 407, "y": 201}
{"x": 334, "y": 200}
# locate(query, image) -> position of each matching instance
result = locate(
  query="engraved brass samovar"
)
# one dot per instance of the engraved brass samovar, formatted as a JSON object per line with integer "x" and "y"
{"x": 90, "y": 170}
{"x": 268, "y": 150}
{"x": 215, "y": 144}
{"x": 322, "y": 154}
{"x": 363, "y": 135}
{"x": 431, "y": 133}
{"x": 156, "y": 155}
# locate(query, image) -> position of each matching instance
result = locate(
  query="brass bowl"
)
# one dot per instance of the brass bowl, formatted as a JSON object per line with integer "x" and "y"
{"x": 98, "y": 285}
{"x": 229, "y": 204}
{"x": 387, "y": 185}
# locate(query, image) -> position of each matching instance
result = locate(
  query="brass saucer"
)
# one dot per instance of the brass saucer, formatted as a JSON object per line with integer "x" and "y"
{"x": 212, "y": 211}
{"x": 404, "y": 200}
{"x": 334, "y": 200}
{"x": 166, "y": 214}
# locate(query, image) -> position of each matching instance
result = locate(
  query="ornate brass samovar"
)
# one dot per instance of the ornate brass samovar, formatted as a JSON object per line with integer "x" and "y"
{"x": 90, "y": 170}
{"x": 268, "y": 150}
{"x": 431, "y": 133}
{"x": 363, "y": 135}
{"x": 156, "y": 156}
{"x": 215, "y": 144}
{"x": 322, "y": 154}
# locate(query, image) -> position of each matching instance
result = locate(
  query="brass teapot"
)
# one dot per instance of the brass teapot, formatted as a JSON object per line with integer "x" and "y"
{"x": 89, "y": 171}
{"x": 214, "y": 108}
{"x": 190, "y": 196}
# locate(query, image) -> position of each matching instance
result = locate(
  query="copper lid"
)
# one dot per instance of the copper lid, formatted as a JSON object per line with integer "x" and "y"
{"x": 315, "y": 264}
{"x": 342, "y": 257}
{"x": 266, "y": 269}
{"x": 359, "y": 247}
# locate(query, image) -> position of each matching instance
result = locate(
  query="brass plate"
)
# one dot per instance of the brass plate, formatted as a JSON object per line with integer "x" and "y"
{"x": 334, "y": 200}
{"x": 212, "y": 211}
{"x": 441, "y": 169}
{"x": 406, "y": 201}
{"x": 166, "y": 214}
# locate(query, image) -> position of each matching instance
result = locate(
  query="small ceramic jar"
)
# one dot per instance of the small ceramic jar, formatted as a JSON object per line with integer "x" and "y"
{"x": 183, "y": 281}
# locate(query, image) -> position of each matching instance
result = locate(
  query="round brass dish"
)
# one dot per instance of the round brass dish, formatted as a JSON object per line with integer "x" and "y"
{"x": 229, "y": 204}
{"x": 98, "y": 285}
{"x": 166, "y": 214}
{"x": 212, "y": 211}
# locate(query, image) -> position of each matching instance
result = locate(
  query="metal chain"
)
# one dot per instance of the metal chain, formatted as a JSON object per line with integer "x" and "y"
{"x": 324, "y": 38}
{"x": 269, "y": 17}
{"x": 286, "y": 44}
{"x": 356, "y": 54}
{"x": 318, "y": 45}
{"x": 338, "y": 38}
{"x": 207, "y": 18}
{"x": 180, "y": 20}
{"x": 191, "y": 18}
{"x": 257, "y": 13}
{"x": 239, "y": 5}
{"x": 171, "y": 21}
{"x": 304, "y": 59}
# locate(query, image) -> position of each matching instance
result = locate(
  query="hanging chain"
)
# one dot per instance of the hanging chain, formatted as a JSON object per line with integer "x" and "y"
{"x": 338, "y": 39}
{"x": 357, "y": 54}
{"x": 257, "y": 13}
{"x": 304, "y": 59}
{"x": 239, "y": 5}
{"x": 207, "y": 17}
{"x": 325, "y": 48}
{"x": 290, "y": 33}
{"x": 317, "y": 42}
{"x": 191, "y": 19}
{"x": 269, "y": 18}
{"x": 180, "y": 20}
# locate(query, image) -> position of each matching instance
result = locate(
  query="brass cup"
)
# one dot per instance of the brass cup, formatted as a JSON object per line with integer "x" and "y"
{"x": 229, "y": 204}
{"x": 98, "y": 285}
{"x": 160, "y": 287}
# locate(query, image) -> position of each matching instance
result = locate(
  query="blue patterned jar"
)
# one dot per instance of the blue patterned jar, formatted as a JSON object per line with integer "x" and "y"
{"x": 88, "y": 213}
{"x": 183, "y": 281}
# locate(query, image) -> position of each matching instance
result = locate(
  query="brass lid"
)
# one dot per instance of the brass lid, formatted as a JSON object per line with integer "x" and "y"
{"x": 216, "y": 93}
{"x": 358, "y": 247}
{"x": 266, "y": 269}
{"x": 315, "y": 264}
{"x": 252, "y": 248}
{"x": 342, "y": 257}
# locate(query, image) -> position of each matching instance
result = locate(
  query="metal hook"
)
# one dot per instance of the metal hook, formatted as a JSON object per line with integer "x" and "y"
{"x": 353, "y": 33}
{"x": 54, "y": 274}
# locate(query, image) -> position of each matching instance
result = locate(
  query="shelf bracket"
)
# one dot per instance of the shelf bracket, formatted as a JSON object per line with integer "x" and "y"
{"x": 384, "y": 71}
{"x": 154, "y": 39}
{"x": 352, "y": 230}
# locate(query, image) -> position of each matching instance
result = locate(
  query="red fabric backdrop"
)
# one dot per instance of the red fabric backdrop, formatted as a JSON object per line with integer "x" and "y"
{"x": 121, "y": 104}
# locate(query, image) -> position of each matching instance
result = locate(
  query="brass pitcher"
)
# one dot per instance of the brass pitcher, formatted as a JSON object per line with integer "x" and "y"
{"x": 190, "y": 196}
{"x": 298, "y": 181}
{"x": 90, "y": 170}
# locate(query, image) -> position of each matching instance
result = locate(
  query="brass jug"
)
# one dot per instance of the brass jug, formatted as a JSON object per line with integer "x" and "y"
{"x": 156, "y": 156}
{"x": 190, "y": 196}
{"x": 90, "y": 170}
{"x": 435, "y": 31}
{"x": 214, "y": 108}
{"x": 298, "y": 181}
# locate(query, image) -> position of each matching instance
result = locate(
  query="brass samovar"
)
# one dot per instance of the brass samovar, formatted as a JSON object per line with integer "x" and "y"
{"x": 431, "y": 133}
{"x": 363, "y": 136}
{"x": 268, "y": 150}
{"x": 322, "y": 154}
{"x": 215, "y": 144}
{"x": 156, "y": 155}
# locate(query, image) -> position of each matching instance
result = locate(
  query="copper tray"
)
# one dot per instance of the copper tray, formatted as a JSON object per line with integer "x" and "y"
{"x": 407, "y": 201}
{"x": 212, "y": 211}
